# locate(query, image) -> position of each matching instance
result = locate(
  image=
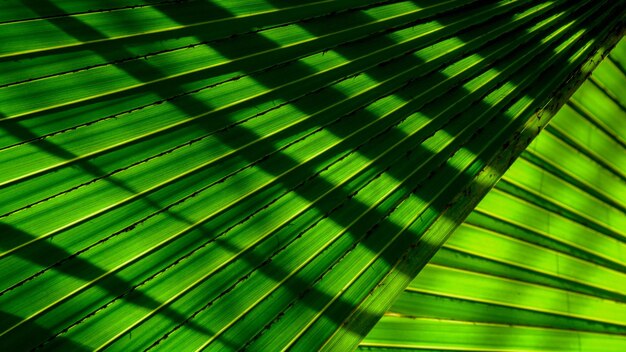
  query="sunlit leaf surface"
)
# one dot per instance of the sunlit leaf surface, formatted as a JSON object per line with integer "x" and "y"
{"x": 260, "y": 174}
{"x": 540, "y": 265}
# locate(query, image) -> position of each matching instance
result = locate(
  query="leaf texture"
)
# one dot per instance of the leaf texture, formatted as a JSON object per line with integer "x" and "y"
{"x": 261, "y": 175}
{"x": 540, "y": 265}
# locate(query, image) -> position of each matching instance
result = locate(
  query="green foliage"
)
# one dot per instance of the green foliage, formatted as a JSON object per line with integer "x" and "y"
{"x": 539, "y": 265}
{"x": 193, "y": 174}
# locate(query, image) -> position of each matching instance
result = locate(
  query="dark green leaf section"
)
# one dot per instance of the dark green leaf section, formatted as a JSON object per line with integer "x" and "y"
{"x": 188, "y": 175}
{"x": 540, "y": 265}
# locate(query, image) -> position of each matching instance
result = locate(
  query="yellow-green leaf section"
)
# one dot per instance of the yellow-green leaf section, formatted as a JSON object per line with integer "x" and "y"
{"x": 540, "y": 265}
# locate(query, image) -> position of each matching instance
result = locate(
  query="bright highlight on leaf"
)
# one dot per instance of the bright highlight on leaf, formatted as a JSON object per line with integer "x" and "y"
{"x": 539, "y": 265}
{"x": 268, "y": 175}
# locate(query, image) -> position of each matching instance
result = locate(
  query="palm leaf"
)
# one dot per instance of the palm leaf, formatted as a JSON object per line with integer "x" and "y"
{"x": 183, "y": 175}
{"x": 539, "y": 265}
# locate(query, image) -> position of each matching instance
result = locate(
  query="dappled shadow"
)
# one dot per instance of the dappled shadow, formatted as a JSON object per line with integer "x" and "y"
{"x": 35, "y": 330}
{"x": 86, "y": 272}
{"x": 340, "y": 120}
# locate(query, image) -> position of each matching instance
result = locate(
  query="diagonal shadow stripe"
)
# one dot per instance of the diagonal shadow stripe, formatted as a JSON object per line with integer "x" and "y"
{"x": 252, "y": 137}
